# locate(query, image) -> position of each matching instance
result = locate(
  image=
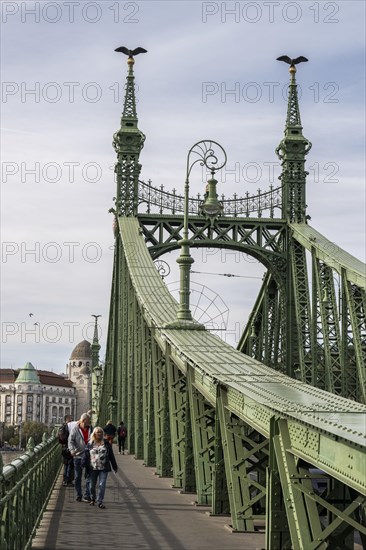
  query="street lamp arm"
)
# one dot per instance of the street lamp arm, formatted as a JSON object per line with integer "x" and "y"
{"x": 207, "y": 156}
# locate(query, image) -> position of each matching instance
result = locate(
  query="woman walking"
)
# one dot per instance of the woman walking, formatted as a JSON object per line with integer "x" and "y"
{"x": 101, "y": 460}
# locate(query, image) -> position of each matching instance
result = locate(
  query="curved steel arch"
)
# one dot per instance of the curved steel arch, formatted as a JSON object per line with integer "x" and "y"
{"x": 218, "y": 420}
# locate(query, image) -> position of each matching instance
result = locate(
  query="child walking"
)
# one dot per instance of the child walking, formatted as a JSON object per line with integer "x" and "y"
{"x": 101, "y": 460}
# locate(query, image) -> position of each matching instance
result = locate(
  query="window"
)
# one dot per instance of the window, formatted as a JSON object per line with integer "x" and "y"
{"x": 66, "y": 400}
{"x": 60, "y": 399}
{"x": 8, "y": 418}
{"x": 30, "y": 388}
{"x": 29, "y": 409}
{"x": 20, "y": 399}
{"x": 8, "y": 407}
{"x": 53, "y": 399}
{"x": 8, "y": 399}
{"x": 19, "y": 418}
{"x": 47, "y": 399}
{"x": 19, "y": 409}
{"x": 30, "y": 398}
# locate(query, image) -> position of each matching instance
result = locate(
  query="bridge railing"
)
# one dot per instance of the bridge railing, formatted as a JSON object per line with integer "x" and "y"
{"x": 25, "y": 487}
{"x": 262, "y": 204}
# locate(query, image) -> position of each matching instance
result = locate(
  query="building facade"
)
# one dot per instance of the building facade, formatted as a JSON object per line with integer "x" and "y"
{"x": 44, "y": 396}
{"x": 78, "y": 371}
{"x": 28, "y": 394}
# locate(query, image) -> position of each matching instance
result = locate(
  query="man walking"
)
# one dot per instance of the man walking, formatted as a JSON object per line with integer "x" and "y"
{"x": 78, "y": 440}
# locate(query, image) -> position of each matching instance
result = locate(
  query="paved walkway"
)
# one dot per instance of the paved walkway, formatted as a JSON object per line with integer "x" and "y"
{"x": 143, "y": 512}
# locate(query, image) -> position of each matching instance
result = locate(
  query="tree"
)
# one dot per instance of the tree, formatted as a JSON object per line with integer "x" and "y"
{"x": 33, "y": 429}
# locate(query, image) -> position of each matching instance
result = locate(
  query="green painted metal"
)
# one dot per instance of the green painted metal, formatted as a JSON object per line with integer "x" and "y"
{"x": 242, "y": 467}
{"x": 177, "y": 391}
{"x": 128, "y": 142}
{"x": 203, "y": 435}
{"x": 325, "y": 430}
{"x": 292, "y": 151}
{"x": 164, "y": 462}
{"x": 220, "y": 422}
{"x": 148, "y": 398}
{"x": 25, "y": 488}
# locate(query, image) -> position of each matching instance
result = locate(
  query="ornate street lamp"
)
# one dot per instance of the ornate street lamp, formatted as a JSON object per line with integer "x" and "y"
{"x": 203, "y": 153}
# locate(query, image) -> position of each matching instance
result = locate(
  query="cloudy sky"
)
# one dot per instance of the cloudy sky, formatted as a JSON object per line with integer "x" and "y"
{"x": 210, "y": 73}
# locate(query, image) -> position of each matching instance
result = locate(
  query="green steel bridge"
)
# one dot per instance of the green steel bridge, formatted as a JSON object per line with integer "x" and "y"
{"x": 273, "y": 431}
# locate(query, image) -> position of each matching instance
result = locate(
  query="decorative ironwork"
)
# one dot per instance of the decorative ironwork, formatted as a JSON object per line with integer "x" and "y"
{"x": 256, "y": 205}
{"x": 163, "y": 268}
{"x": 25, "y": 487}
{"x": 207, "y": 156}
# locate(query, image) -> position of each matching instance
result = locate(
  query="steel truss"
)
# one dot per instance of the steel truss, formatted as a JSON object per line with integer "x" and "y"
{"x": 259, "y": 461}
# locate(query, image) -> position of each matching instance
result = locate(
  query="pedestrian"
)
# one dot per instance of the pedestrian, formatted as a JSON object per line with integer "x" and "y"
{"x": 101, "y": 459}
{"x": 63, "y": 436}
{"x": 122, "y": 434}
{"x": 110, "y": 431}
{"x": 78, "y": 441}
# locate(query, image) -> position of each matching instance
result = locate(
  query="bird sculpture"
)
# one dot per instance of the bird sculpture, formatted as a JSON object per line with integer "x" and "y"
{"x": 130, "y": 53}
{"x": 292, "y": 62}
{"x": 31, "y": 315}
{"x": 36, "y": 323}
{"x": 96, "y": 316}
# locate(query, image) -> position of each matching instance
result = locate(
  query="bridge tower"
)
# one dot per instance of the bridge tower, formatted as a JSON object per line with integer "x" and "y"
{"x": 128, "y": 142}
{"x": 292, "y": 151}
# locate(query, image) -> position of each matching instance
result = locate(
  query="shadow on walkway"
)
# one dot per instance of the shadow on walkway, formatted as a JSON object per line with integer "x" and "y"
{"x": 143, "y": 512}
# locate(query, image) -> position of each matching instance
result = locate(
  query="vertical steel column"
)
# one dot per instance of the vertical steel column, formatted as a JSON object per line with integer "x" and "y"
{"x": 161, "y": 411}
{"x": 246, "y": 456}
{"x": 203, "y": 435}
{"x": 189, "y": 473}
{"x": 148, "y": 397}
{"x": 220, "y": 496}
{"x": 177, "y": 391}
{"x": 302, "y": 515}
{"x": 124, "y": 342}
{"x": 131, "y": 340}
{"x": 302, "y": 312}
{"x": 138, "y": 389}
{"x": 356, "y": 301}
{"x": 107, "y": 373}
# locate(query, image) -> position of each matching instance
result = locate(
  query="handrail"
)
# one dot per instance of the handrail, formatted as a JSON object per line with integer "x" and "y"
{"x": 25, "y": 487}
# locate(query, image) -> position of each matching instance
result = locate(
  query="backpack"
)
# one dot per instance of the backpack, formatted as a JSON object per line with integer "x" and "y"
{"x": 63, "y": 434}
{"x": 122, "y": 432}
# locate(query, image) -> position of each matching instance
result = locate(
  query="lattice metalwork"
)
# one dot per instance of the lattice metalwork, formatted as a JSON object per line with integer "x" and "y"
{"x": 264, "y": 204}
{"x": 300, "y": 290}
{"x": 217, "y": 420}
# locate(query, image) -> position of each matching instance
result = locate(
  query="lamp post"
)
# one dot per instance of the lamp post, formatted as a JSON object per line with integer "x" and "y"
{"x": 96, "y": 393}
{"x": 203, "y": 153}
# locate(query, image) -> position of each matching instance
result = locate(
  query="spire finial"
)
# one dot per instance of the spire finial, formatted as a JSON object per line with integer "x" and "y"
{"x": 293, "y": 111}
{"x": 128, "y": 142}
{"x": 292, "y": 151}
{"x": 95, "y": 336}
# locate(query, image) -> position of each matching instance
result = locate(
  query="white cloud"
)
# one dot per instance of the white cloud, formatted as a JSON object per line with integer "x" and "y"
{"x": 184, "y": 53}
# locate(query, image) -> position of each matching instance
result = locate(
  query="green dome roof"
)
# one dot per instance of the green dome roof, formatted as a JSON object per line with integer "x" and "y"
{"x": 28, "y": 375}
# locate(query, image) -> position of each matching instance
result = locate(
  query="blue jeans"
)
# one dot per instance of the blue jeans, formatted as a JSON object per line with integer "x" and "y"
{"x": 78, "y": 478}
{"x": 94, "y": 474}
{"x": 68, "y": 471}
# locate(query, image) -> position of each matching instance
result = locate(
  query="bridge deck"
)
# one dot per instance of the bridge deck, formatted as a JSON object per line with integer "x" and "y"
{"x": 142, "y": 512}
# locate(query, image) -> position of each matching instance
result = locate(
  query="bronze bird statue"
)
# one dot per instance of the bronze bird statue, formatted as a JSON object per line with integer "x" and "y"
{"x": 130, "y": 53}
{"x": 292, "y": 62}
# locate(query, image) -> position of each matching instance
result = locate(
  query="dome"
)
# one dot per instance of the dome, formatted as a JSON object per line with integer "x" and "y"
{"x": 27, "y": 375}
{"x": 81, "y": 351}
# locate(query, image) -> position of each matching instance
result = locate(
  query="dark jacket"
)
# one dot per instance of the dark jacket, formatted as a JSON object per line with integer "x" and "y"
{"x": 110, "y": 429}
{"x": 111, "y": 461}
